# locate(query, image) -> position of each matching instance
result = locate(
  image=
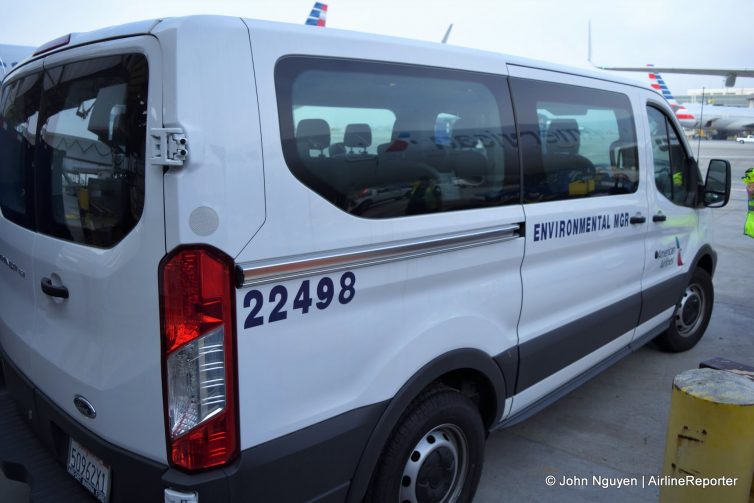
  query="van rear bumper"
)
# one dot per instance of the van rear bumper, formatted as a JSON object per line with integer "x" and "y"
{"x": 133, "y": 477}
{"x": 315, "y": 463}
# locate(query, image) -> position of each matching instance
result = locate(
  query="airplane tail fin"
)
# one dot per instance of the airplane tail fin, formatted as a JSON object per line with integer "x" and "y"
{"x": 318, "y": 16}
{"x": 657, "y": 83}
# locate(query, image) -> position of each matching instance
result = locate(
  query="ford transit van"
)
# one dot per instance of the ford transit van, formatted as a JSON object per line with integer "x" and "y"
{"x": 245, "y": 261}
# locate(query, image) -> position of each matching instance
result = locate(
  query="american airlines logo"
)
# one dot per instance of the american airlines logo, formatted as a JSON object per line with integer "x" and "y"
{"x": 12, "y": 266}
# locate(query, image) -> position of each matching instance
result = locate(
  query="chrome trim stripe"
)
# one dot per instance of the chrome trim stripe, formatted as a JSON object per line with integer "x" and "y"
{"x": 276, "y": 270}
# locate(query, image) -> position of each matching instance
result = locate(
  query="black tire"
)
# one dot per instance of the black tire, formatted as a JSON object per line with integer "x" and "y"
{"x": 435, "y": 453}
{"x": 691, "y": 316}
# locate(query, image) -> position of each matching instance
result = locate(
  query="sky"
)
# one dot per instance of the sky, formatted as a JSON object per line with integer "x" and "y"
{"x": 624, "y": 32}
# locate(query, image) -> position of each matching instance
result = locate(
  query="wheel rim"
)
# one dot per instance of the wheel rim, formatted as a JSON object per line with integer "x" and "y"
{"x": 435, "y": 471}
{"x": 690, "y": 311}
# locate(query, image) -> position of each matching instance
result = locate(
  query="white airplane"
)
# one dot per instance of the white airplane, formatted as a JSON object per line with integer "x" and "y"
{"x": 725, "y": 119}
{"x": 10, "y": 55}
{"x": 685, "y": 117}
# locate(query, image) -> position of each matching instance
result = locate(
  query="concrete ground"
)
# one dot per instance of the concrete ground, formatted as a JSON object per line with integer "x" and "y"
{"x": 615, "y": 425}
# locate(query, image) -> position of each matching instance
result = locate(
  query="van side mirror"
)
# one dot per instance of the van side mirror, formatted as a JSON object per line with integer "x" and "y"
{"x": 717, "y": 185}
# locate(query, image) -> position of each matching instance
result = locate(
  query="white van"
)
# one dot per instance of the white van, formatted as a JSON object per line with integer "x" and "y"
{"x": 254, "y": 261}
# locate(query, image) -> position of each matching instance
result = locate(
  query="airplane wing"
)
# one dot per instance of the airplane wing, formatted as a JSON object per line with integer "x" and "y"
{"x": 447, "y": 34}
{"x": 730, "y": 74}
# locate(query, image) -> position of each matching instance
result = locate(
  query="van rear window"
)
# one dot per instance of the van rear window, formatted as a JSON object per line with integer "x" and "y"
{"x": 84, "y": 126}
{"x": 18, "y": 126}
{"x": 382, "y": 140}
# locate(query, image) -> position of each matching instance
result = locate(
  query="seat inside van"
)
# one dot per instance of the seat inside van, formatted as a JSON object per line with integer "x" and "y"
{"x": 562, "y": 162}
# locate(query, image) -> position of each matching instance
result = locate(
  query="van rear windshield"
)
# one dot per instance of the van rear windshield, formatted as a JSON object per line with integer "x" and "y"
{"x": 18, "y": 126}
{"x": 83, "y": 125}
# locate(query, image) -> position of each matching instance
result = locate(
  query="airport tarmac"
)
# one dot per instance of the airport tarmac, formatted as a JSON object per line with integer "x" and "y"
{"x": 613, "y": 426}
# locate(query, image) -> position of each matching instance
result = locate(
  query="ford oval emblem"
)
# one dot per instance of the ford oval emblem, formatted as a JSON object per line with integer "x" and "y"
{"x": 84, "y": 406}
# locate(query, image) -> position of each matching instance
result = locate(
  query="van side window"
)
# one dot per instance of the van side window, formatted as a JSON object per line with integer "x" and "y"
{"x": 91, "y": 151}
{"x": 670, "y": 160}
{"x": 18, "y": 129}
{"x": 575, "y": 141}
{"x": 381, "y": 140}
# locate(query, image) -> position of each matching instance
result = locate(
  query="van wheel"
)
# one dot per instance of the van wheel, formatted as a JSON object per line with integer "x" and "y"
{"x": 691, "y": 316}
{"x": 435, "y": 453}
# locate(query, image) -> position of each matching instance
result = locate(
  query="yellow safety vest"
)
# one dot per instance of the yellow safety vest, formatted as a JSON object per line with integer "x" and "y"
{"x": 678, "y": 178}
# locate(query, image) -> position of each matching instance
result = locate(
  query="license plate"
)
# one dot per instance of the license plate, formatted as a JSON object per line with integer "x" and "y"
{"x": 89, "y": 470}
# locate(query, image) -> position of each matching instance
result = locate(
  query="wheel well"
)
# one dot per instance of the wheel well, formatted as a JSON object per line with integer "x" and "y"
{"x": 470, "y": 371}
{"x": 476, "y": 387}
{"x": 706, "y": 263}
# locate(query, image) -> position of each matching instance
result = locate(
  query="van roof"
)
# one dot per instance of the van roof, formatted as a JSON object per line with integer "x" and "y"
{"x": 461, "y": 51}
{"x": 154, "y": 26}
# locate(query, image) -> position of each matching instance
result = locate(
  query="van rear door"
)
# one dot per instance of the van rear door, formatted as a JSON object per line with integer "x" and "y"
{"x": 101, "y": 235}
{"x": 19, "y": 113}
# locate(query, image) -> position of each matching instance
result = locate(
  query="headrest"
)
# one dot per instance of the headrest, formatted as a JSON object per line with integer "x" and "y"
{"x": 563, "y": 137}
{"x": 315, "y": 133}
{"x": 358, "y": 135}
{"x": 109, "y": 99}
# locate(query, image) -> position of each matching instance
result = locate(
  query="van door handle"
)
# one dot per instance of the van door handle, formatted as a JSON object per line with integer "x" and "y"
{"x": 60, "y": 292}
{"x": 638, "y": 219}
{"x": 659, "y": 218}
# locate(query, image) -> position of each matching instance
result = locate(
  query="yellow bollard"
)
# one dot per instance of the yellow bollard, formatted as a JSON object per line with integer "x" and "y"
{"x": 709, "y": 451}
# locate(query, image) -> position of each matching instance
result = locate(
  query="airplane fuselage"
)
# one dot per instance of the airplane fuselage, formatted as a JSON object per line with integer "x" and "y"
{"x": 722, "y": 118}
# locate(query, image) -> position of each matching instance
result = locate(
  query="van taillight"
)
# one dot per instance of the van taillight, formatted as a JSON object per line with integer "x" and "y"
{"x": 198, "y": 359}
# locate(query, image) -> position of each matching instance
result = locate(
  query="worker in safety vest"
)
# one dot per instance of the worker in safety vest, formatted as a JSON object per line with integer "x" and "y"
{"x": 748, "y": 179}
{"x": 678, "y": 179}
